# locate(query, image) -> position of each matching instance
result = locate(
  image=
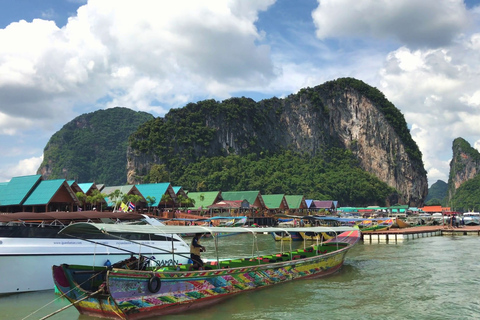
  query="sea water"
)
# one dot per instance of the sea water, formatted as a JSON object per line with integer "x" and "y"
{"x": 426, "y": 278}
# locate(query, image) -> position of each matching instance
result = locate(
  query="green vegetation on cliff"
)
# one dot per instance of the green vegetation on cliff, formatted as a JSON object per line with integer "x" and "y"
{"x": 93, "y": 147}
{"x": 467, "y": 196}
{"x": 336, "y": 176}
{"x": 437, "y": 194}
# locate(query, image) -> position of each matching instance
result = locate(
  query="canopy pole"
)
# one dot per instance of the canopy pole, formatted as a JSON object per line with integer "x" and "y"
{"x": 173, "y": 253}
{"x": 215, "y": 238}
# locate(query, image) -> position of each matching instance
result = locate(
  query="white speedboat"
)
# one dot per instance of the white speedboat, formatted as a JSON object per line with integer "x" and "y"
{"x": 30, "y": 245}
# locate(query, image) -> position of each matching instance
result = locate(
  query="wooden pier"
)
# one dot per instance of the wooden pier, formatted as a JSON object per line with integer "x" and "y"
{"x": 395, "y": 235}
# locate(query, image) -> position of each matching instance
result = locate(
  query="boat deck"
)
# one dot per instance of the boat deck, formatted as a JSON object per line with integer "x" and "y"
{"x": 395, "y": 235}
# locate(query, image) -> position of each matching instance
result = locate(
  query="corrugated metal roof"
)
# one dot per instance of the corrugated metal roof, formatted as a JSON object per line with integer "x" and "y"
{"x": 123, "y": 189}
{"x": 250, "y": 196}
{"x": 44, "y": 192}
{"x": 294, "y": 201}
{"x": 85, "y": 186}
{"x": 154, "y": 190}
{"x": 326, "y": 204}
{"x": 17, "y": 189}
{"x": 273, "y": 201}
{"x": 203, "y": 199}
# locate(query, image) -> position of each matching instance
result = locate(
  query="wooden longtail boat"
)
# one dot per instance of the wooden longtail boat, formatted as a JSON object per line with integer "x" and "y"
{"x": 312, "y": 236}
{"x": 135, "y": 291}
{"x": 287, "y": 236}
{"x": 399, "y": 223}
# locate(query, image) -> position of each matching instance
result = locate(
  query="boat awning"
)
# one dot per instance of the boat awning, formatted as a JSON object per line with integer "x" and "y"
{"x": 97, "y": 228}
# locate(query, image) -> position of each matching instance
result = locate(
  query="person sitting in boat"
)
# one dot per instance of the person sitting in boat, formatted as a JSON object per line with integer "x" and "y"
{"x": 195, "y": 249}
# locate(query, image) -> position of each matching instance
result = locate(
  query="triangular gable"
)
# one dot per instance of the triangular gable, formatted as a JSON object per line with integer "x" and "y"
{"x": 74, "y": 186}
{"x": 275, "y": 201}
{"x": 156, "y": 190}
{"x": 204, "y": 199}
{"x": 18, "y": 189}
{"x": 309, "y": 203}
{"x": 296, "y": 202}
{"x": 179, "y": 191}
{"x": 47, "y": 189}
{"x": 253, "y": 197}
{"x": 87, "y": 187}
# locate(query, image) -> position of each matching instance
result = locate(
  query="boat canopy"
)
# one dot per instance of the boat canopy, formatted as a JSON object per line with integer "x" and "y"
{"x": 97, "y": 228}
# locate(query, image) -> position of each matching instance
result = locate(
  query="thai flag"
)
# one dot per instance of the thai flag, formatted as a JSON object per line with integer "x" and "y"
{"x": 131, "y": 206}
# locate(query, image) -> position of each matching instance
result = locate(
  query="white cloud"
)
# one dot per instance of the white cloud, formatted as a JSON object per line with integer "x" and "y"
{"x": 158, "y": 52}
{"x": 22, "y": 168}
{"x": 437, "y": 91}
{"x": 425, "y": 23}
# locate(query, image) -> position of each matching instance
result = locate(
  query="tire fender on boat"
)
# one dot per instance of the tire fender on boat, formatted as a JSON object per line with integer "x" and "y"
{"x": 154, "y": 284}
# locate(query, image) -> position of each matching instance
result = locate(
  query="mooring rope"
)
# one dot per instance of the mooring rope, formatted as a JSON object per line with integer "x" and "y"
{"x": 71, "y": 304}
{"x": 63, "y": 295}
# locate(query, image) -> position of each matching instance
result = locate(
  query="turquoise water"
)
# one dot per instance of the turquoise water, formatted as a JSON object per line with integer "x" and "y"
{"x": 426, "y": 278}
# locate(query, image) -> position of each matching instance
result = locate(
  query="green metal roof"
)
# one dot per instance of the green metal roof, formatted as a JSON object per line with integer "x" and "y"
{"x": 273, "y": 201}
{"x": 250, "y": 196}
{"x": 44, "y": 192}
{"x": 154, "y": 190}
{"x": 85, "y": 186}
{"x": 293, "y": 201}
{"x": 17, "y": 189}
{"x": 203, "y": 199}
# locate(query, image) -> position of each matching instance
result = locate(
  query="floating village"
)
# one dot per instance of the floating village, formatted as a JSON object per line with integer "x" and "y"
{"x": 135, "y": 251}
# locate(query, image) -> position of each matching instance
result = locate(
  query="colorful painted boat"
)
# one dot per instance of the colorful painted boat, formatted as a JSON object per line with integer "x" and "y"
{"x": 286, "y": 236}
{"x": 399, "y": 223}
{"x": 379, "y": 225}
{"x": 312, "y": 236}
{"x": 136, "y": 291}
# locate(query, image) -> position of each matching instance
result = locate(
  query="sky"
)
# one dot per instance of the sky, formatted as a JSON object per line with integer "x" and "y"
{"x": 63, "y": 58}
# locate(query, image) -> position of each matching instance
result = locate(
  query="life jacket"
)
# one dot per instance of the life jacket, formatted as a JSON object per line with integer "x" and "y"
{"x": 195, "y": 250}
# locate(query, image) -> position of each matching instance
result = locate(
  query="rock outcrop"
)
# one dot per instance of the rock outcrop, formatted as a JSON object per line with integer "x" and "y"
{"x": 465, "y": 165}
{"x": 344, "y": 113}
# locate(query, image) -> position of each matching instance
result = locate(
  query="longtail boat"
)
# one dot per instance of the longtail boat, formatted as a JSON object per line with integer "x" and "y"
{"x": 316, "y": 236}
{"x": 287, "y": 236}
{"x": 135, "y": 289}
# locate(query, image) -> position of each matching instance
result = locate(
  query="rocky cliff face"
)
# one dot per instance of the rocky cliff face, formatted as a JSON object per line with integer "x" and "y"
{"x": 343, "y": 113}
{"x": 465, "y": 165}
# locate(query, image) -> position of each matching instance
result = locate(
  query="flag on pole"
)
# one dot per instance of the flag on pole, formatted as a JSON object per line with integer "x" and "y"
{"x": 123, "y": 207}
{"x": 131, "y": 206}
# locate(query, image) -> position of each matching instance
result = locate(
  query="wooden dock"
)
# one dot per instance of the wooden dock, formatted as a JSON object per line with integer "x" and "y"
{"x": 395, "y": 235}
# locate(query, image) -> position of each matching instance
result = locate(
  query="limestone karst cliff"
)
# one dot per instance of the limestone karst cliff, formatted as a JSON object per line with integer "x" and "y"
{"x": 345, "y": 113}
{"x": 464, "y": 166}
{"x": 92, "y": 147}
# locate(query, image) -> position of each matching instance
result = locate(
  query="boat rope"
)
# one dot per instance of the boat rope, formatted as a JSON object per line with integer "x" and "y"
{"x": 71, "y": 304}
{"x": 63, "y": 295}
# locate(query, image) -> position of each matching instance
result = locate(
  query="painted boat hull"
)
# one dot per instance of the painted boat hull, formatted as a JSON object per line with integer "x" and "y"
{"x": 314, "y": 237}
{"x": 294, "y": 236}
{"x": 130, "y": 294}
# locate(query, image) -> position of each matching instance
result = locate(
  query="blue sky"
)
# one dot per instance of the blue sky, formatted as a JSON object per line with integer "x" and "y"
{"x": 63, "y": 58}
